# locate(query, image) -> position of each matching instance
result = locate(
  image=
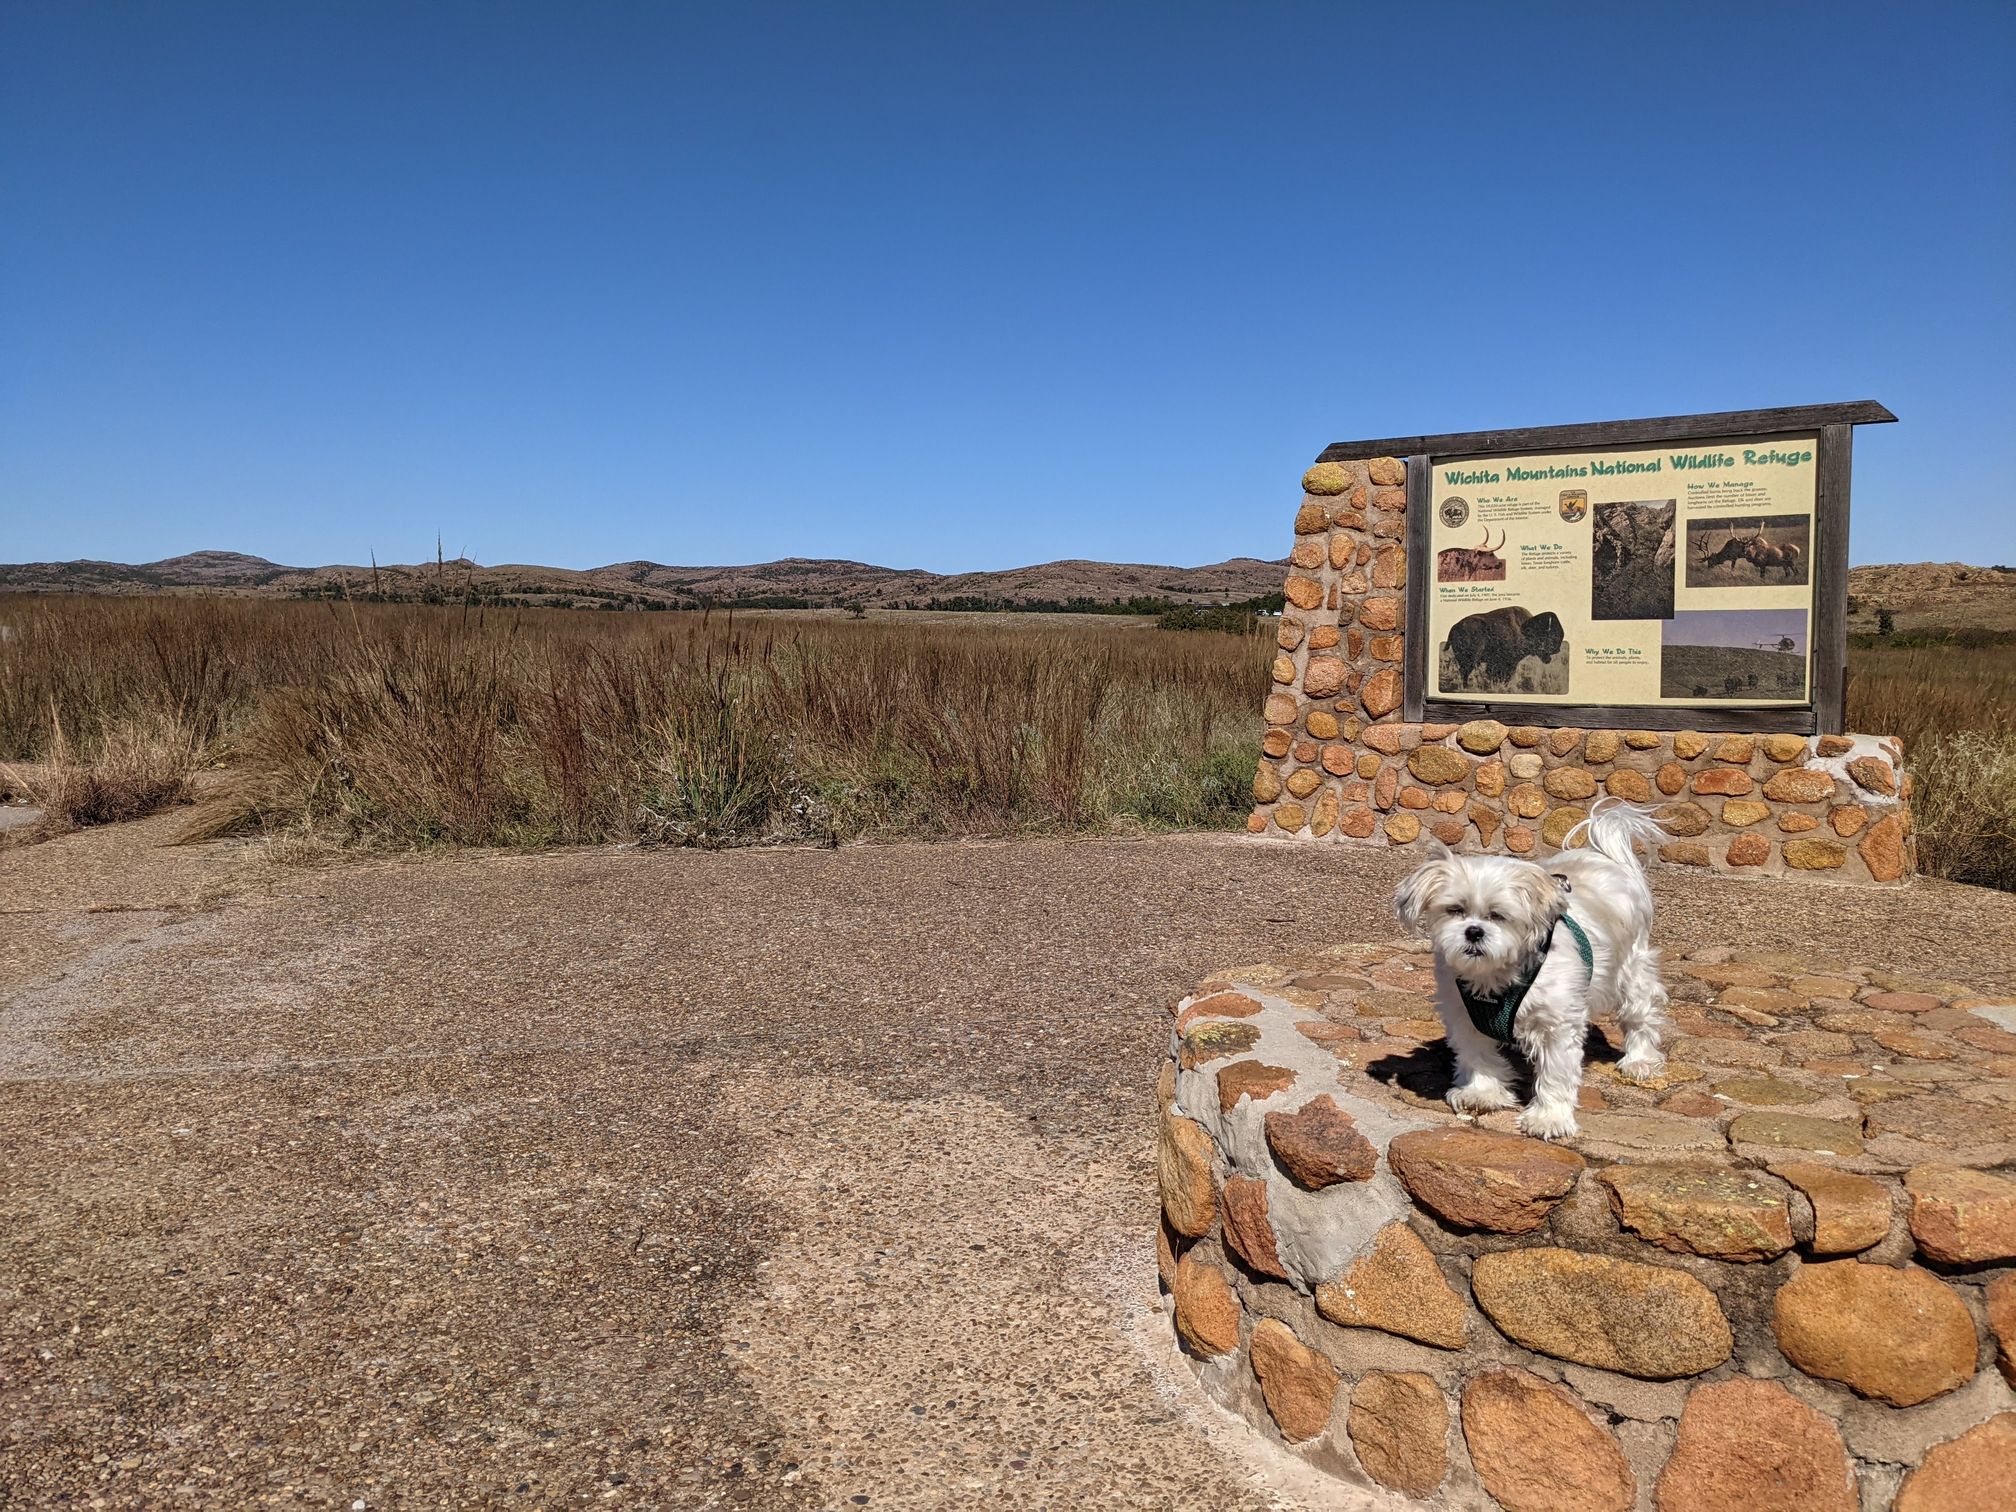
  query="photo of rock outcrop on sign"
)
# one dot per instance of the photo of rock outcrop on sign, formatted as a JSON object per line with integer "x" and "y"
{"x": 1631, "y": 560}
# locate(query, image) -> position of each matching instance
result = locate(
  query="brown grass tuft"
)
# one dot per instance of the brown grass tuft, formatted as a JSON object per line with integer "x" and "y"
{"x": 137, "y": 766}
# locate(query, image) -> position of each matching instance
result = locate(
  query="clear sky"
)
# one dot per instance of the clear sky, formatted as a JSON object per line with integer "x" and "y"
{"x": 1735, "y": 627}
{"x": 963, "y": 285}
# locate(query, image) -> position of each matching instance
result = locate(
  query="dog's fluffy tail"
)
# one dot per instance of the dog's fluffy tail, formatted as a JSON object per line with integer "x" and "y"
{"x": 1613, "y": 826}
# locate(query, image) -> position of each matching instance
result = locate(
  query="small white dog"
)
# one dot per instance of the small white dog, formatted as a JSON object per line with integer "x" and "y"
{"x": 1526, "y": 953}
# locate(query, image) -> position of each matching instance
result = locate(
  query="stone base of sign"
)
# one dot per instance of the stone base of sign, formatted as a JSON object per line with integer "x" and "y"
{"x": 1339, "y": 763}
{"x": 1783, "y": 1274}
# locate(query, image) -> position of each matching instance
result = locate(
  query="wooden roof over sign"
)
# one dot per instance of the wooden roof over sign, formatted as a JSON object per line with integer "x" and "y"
{"x": 1614, "y": 432}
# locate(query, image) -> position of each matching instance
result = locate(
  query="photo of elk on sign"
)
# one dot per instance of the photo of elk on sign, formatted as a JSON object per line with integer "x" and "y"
{"x": 1744, "y": 552}
{"x": 1631, "y": 561}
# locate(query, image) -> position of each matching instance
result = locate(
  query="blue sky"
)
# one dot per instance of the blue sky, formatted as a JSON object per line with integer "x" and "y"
{"x": 1735, "y": 627}
{"x": 962, "y": 286}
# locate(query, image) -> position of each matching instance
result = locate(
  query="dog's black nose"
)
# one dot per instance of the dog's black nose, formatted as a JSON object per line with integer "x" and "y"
{"x": 1474, "y": 933}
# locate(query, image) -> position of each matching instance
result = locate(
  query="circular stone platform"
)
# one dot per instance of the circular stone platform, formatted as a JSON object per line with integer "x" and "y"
{"x": 1782, "y": 1276}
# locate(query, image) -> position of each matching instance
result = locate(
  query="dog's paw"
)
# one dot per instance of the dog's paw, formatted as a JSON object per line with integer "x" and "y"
{"x": 1481, "y": 1096}
{"x": 1548, "y": 1123}
{"x": 1641, "y": 1068}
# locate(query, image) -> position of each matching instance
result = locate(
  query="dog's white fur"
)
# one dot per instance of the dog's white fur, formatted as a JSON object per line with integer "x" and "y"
{"x": 1513, "y": 905}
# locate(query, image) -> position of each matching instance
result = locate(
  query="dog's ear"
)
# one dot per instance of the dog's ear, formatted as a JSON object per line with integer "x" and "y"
{"x": 1543, "y": 897}
{"x": 1420, "y": 889}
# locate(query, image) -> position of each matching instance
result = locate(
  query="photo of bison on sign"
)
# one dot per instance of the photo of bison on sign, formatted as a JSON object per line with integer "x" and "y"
{"x": 1749, "y": 552}
{"x": 1508, "y": 650}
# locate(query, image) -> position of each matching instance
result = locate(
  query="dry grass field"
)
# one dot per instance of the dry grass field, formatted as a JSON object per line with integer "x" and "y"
{"x": 407, "y": 726}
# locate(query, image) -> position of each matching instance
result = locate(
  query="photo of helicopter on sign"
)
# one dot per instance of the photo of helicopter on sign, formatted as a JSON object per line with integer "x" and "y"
{"x": 1749, "y": 552}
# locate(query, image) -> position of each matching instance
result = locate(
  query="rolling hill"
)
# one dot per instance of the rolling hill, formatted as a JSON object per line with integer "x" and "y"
{"x": 792, "y": 582}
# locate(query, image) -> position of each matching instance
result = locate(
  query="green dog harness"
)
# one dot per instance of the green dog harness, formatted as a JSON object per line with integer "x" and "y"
{"x": 1494, "y": 1015}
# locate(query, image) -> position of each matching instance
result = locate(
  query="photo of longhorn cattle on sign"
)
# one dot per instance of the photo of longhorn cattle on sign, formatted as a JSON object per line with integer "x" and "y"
{"x": 1481, "y": 563}
{"x": 1747, "y": 553}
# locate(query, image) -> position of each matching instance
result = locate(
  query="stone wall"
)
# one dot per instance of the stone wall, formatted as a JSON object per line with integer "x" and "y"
{"x": 1781, "y": 1277}
{"x": 1339, "y": 763}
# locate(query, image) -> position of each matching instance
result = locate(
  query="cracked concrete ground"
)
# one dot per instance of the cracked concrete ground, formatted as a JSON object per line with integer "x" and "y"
{"x": 768, "y": 1178}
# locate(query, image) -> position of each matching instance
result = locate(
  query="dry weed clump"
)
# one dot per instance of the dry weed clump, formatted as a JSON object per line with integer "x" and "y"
{"x": 136, "y": 766}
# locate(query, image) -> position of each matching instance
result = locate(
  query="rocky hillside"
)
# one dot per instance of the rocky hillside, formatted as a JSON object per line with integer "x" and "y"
{"x": 1933, "y": 596}
{"x": 795, "y": 581}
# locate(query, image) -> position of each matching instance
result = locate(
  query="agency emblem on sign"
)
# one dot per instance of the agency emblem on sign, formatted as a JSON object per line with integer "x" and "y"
{"x": 1454, "y": 511}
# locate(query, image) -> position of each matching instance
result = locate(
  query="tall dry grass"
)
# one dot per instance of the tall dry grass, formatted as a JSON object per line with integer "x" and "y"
{"x": 411, "y": 726}
{"x": 1955, "y": 708}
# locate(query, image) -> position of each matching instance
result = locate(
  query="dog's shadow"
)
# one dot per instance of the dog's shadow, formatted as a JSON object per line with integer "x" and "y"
{"x": 1429, "y": 1070}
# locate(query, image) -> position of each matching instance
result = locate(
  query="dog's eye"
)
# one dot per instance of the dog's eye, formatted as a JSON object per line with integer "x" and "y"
{"x": 1453, "y": 909}
{"x": 1495, "y": 917}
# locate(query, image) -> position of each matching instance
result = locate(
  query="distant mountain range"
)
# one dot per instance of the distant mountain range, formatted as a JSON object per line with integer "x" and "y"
{"x": 792, "y": 582}
{"x": 1919, "y": 594}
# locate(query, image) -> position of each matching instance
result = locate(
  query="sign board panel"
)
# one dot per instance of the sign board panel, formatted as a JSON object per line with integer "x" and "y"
{"x": 1676, "y": 575}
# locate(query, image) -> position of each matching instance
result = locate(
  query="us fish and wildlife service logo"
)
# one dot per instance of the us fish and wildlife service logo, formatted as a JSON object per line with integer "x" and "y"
{"x": 1454, "y": 511}
{"x": 1574, "y": 504}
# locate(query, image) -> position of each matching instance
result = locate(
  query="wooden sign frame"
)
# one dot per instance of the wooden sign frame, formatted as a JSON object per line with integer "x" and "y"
{"x": 1827, "y": 643}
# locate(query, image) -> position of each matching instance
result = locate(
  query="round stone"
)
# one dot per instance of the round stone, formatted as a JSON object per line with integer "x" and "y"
{"x": 1898, "y": 1336}
{"x": 1738, "y": 813}
{"x": 1874, "y": 774}
{"x": 1704, "y": 1210}
{"x": 1726, "y": 782}
{"x": 1481, "y": 737}
{"x": 1643, "y": 1320}
{"x": 1479, "y": 1179}
{"x": 1319, "y": 1145}
{"x": 1559, "y": 824}
{"x": 1324, "y": 678}
{"x": 1183, "y": 1171}
{"x": 1795, "y": 1131}
{"x": 1254, "y": 1079}
{"x": 1326, "y": 480}
{"x": 1247, "y": 1228}
{"x": 1850, "y": 1212}
{"x": 1882, "y": 849}
{"x": 2001, "y": 1302}
{"x": 1396, "y": 1287}
{"x": 1436, "y": 765}
{"x": 1536, "y": 1449}
{"x": 1972, "y": 1473}
{"x": 1296, "y": 1382}
{"x": 1381, "y": 693}
{"x": 1806, "y": 854}
{"x": 1962, "y": 1217}
{"x": 1399, "y": 1424}
{"x": 1751, "y": 1446}
{"x": 1266, "y": 783}
{"x": 1798, "y": 785}
{"x": 1570, "y": 782}
{"x": 1207, "y": 1313}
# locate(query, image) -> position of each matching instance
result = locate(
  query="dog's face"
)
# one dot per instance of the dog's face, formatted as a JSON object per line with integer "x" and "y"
{"x": 1485, "y": 913}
